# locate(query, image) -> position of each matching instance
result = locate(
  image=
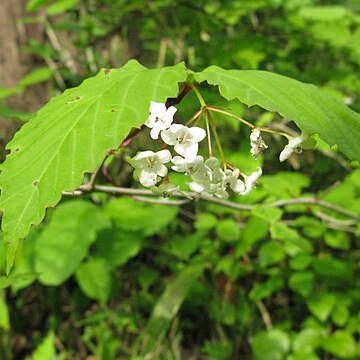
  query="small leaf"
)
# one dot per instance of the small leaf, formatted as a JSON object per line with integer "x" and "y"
{"x": 228, "y": 230}
{"x": 94, "y": 279}
{"x": 340, "y": 344}
{"x": 269, "y": 214}
{"x": 321, "y": 305}
{"x": 271, "y": 253}
{"x": 270, "y": 345}
{"x": 46, "y": 350}
{"x": 302, "y": 282}
{"x": 65, "y": 241}
{"x": 61, "y": 6}
{"x": 36, "y": 76}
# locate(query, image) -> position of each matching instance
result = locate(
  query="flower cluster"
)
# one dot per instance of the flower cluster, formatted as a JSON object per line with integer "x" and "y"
{"x": 206, "y": 176}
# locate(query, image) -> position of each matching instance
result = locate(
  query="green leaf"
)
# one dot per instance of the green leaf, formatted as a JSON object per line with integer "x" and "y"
{"x": 184, "y": 247}
{"x": 281, "y": 231}
{"x": 94, "y": 279}
{"x": 71, "y": 135}
{"x": 205, "y": 221}
{"x": 270, "y": 345}
{"x": 321, "y": 305}
{"x": 64, "y": 242}
{"x": 323, "y": 13}
{"x": 268, "y": 214}
{"x": 118, "y": 246}
{"x": 36, "y": 76}
{"x": 46, "y": 350}
{"x": 271, "y": 253}
{"x": 9, "y": 113}
{"x": 228, "y": 230}
{"x": 337, "y": 240}
{"x": 33, "y": 5}
{"x": 61, "y": 6}
{"x": 264, "y": 290}
{"x": 313, "y": 110}
{"x": 340, "y": 344}
{"x": 169, "y": 303}
{"x": 306, "y": 341}
{"x": 132, "y": 215}
{"x": 4, "y": 313}
{"x": 302, "y": 282}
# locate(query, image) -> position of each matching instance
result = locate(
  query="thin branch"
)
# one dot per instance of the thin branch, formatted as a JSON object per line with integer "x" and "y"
{"x": 230, "y": 204}
{"x": 314, "y": 201}
{"x": 265, "y": 315}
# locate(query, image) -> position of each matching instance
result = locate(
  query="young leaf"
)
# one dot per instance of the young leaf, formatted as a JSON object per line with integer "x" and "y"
{"x": 70, "y": 136}
{"x": 313, "y": 110}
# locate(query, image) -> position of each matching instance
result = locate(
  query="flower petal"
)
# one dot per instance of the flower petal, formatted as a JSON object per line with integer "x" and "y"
{"x": 164, "y": 156}
{"x": 197, "y": 133}
{"x": 147, "y": 179}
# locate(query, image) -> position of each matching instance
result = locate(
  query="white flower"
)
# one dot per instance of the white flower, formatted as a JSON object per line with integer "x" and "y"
{"x": 292, "y": 146}
{"x": 232, "y": 180}
{"x": 185, "y": 140}
{"x": 208, "y": 179}
{"x": 160, "y": 118}
{"x": 215, "y": 172}
{"x": 192, "y": 168}
{"x": 149, "y": 166}
{"x": 165, "y": 190}
{"x": 251, "y": 180}
{"x": 257, "y": 143}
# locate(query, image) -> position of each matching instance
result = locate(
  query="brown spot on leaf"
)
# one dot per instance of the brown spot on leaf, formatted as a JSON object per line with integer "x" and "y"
{"x": 36, "y": 183}
{"x": 107, "y": 71}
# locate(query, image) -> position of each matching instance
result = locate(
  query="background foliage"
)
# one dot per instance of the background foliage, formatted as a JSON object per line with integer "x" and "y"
{"x": 115, "y": 278}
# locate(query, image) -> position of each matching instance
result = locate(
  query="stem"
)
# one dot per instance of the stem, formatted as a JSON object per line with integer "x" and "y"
{"x": 208, "y": 134}
{"x": 231, "y": 204}
{"x": 217, "y": 139}
{"x": 271, "y": 131}
{"x": 198, "y": 95}
{"x": 211, "y": 108}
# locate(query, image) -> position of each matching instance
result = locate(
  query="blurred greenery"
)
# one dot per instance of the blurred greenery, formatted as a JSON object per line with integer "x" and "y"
{"x": 110, "y": 277}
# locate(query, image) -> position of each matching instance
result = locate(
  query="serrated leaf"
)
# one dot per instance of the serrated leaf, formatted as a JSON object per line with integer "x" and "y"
{"x": 70, "y": 136}
{"x": 64, "y": 242}
{"x": 313, "y": 110}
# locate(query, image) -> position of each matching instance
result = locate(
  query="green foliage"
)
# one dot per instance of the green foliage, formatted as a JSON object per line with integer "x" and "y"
{"x": 117, "y": 278}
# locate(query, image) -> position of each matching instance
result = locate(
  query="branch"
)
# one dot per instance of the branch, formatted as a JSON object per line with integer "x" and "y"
{"x": 230, "y": 204}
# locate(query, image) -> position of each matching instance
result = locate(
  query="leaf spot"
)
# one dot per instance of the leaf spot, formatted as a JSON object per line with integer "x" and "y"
{"x": 107, "y": 71}
{"x": 36, "y": 183}
{"x": 76, "y": 98}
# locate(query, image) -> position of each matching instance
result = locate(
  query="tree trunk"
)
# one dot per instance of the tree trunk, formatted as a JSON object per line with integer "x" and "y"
{"x": 15, "y": 63}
